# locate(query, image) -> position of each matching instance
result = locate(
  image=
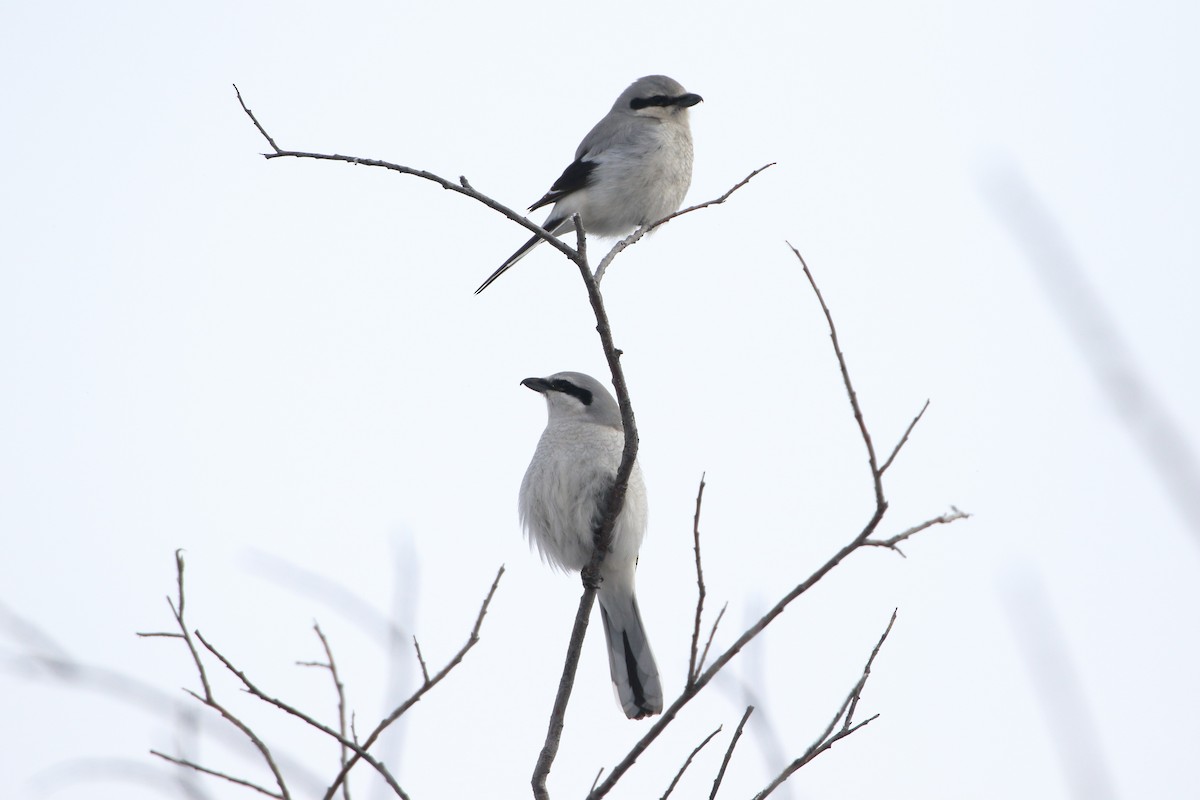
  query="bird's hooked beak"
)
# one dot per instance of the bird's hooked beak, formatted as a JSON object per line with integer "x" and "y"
{"x": 540, "y": 385}
{"x": 688, "y": 100}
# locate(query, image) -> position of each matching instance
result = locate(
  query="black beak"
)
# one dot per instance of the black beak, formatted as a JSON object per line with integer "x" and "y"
{"x": 688, "y": 100}
{"x": 537, "y": 384}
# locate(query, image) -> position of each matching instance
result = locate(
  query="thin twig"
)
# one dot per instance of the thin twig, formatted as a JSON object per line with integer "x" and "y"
{"x": 208, "y": 698}
{"x": 331, "y": 665}
{"x": 944, "y": 519}
{"x": 708, "y": 644}
{"x": 700, "y": 590}
{"x": 596, "y": 779}
{"x": 183, "y": 762}
{"x": 737, "y": 734}
{"x": 360, "y": 751}
{"x": 637, "y": 235}
{"x": 876, "y": 472}
{"x": 463, "y": 187}
{"x": 688, "y": 762}
{"x": 904, "y": 438}
{"x": 845, "y": 715}
{"x": 421, "y": 659}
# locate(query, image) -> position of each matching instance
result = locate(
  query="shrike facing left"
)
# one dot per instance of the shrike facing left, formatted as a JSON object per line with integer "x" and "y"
{"x": 572, "y": 470}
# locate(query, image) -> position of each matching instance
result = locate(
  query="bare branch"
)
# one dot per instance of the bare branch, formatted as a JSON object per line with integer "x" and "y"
{"x": 944, "y": 519}
{"x": 686, "y": 763}
{"x": 692, "y": 668}
{"x": 340, "y": 688}
{"x": 637, "y": 235}
{"x": 737, "y": 734}
{"x": 602, "y": 537}
{"x": 463, "y": 187}
{"x": 183, "y": 762}
{"x": 860, "y": 540}
{"x": 904, "y": 438}
{"x": 208, "y": 698}
{"x": 360, "y": 752}
{"x": 876, "y": 472}
{"x": 845, "y": 715}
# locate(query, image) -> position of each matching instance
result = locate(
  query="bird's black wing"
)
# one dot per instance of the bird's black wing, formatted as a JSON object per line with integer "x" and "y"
{"x": 574, "y": 177}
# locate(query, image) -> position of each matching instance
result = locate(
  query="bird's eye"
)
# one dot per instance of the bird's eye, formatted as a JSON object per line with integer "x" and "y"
{"x": 642, "y": 102}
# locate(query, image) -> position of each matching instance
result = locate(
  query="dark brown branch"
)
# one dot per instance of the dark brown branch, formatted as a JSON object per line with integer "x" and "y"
{"x": 700, "y": 591}
{"x": 737, "y": 734}
{"x": 637, "y": 235}
{"x": 686, "y": 763}
{"x": 613, "y": 504}
{"x": 183, "y": 762}
{"x": 829, "y": 737}
{"x": 360, "y": 751}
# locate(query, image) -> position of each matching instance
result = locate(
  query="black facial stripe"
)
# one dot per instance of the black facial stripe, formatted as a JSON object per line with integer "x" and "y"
{"x": 658, "y": 100}
{"x": 566, "y": 387}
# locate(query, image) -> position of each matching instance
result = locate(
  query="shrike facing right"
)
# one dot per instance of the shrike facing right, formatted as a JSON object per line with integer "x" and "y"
{"x": 633, "y": 168}
{"x": 572, "y": 470}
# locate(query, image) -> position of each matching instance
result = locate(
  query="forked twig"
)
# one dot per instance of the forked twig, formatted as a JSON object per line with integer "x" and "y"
{"x": 860, "y": 540}
{"x": 208, "y": 698}
{"x": 637, "y": 235}
{"x": 829, "y": 737}
{"x": 340, "y": 689}
{"x": 360, "y": 751}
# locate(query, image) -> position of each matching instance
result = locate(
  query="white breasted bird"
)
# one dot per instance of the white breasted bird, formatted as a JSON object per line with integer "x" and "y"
{"x": 632, "y": 169}
{"x": 572, "y": 471}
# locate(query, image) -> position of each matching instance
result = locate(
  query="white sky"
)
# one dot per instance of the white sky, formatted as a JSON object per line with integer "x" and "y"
{"x": 282, "y": 362}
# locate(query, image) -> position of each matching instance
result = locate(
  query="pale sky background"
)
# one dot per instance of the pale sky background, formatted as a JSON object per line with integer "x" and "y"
{"x": 280, "y": 367}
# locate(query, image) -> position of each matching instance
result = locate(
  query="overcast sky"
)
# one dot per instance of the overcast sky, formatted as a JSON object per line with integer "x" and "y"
{"x": 280, "y": 367}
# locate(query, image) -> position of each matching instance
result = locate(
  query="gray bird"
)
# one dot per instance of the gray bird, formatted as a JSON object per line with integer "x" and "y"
{"x": 632, "y": 169}
{"x": 572, "y": 470}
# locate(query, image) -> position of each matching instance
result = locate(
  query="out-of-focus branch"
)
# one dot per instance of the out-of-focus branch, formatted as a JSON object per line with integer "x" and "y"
{"x": 845, "y": 715}
{"x": 1135, "y": 400}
